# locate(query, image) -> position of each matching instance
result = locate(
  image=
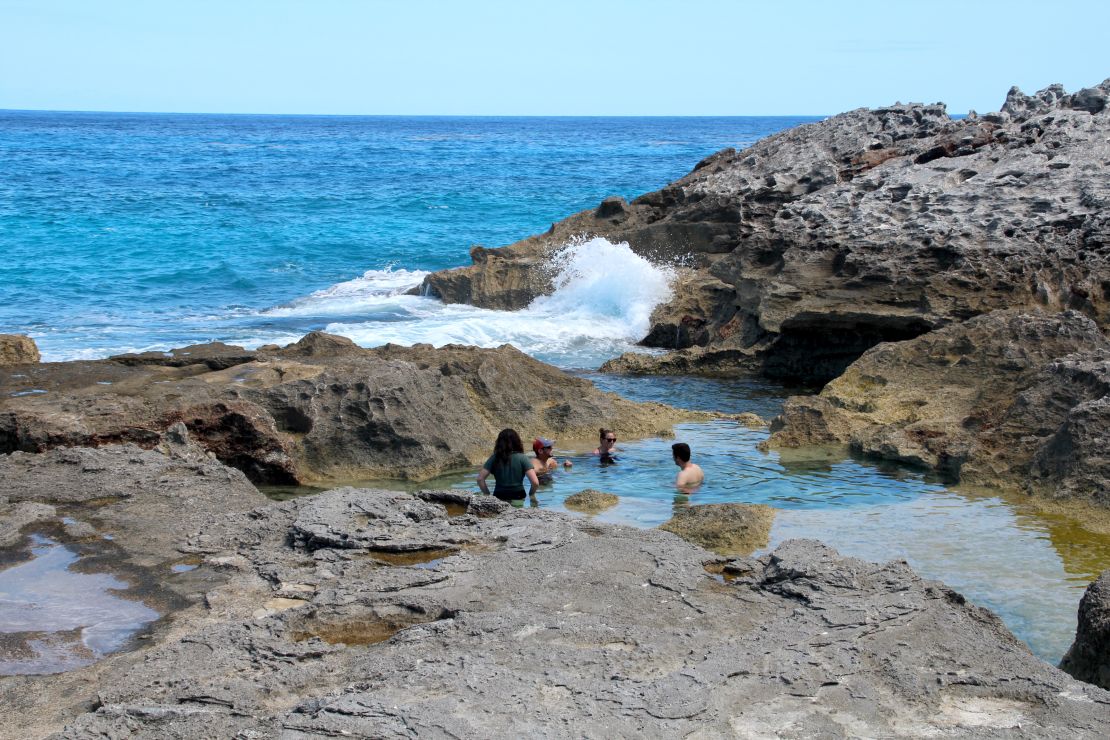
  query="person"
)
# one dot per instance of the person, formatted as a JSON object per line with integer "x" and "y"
{"x": 606, "y": 445}
{"x": 509, "y": 466}
{"x": 690, "y": 475}
{"x": 543, "y": 462}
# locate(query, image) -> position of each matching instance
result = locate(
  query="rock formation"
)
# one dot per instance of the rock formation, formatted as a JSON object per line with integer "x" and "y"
{"x": 17, "y": 349}
{"x": 821, "y": 241}
{"x": 726, "y": 529}
{"x": 1088, "y": 659}
{"x": 320, "y": 409}
{"x": 1012, "y": 397}
{"x": 377, "y": 614}
{"x": 590, "y": 501}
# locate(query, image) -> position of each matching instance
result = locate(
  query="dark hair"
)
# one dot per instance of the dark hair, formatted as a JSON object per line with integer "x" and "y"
{"x": 603, "y": 433}
{"x": 681, "y": 450}
{"x": 508, "y": 442}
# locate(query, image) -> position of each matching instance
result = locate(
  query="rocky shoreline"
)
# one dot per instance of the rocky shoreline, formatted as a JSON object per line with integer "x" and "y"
{"x": 374, "y": 613}
{"x": 946, "y": 281}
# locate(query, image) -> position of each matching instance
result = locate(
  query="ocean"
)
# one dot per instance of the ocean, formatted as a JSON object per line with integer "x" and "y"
{"x": 124, "y": 232}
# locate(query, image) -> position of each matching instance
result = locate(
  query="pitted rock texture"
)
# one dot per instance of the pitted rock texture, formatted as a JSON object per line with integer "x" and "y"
{"x": 1088, "y": 659}
{"x": 546, "y": 625}
{"x": 726, "y": 529}
{"x": 590, "y": 501}
{"x": 18, "y": 349}
{"x": 320, "y": 409}
{"x": 819, "y": 242}
{"x": 1008, "y": 398}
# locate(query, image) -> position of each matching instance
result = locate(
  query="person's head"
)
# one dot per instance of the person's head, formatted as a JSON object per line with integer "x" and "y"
{"x": 606, "y": 437}
{"x": 681, "y": 452}
{"x": 542, "y": 447}
{"x": 508, "y": 442}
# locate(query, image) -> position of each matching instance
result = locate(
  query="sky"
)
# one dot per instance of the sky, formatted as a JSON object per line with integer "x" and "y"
{"x": 541, "y": 57}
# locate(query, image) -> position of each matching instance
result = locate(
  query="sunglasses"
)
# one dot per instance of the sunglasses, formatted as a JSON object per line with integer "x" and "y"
{"x": 610, "y": 439}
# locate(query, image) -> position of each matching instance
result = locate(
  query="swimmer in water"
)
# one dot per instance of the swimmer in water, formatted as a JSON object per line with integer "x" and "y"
{"x": 543, "y": 463}
{"x": 690, "y": 475}
{"x": 606, "y": 445}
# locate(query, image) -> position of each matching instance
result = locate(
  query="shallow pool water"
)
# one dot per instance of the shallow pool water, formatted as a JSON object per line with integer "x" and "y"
{"x": 54, "y": 619}
{"x": 1030, "y": 569}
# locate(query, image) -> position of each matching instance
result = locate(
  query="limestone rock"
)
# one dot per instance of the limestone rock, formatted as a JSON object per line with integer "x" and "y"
{"x": 590, "y": 501}
{"x": 727, "y": 529}
{"x": 984, "y": 401}
{"x": 320, "y": 409}
{"x": 1088, "y": 659}
{"x": 17, "y": 349}
{"x": 819, "y": 242}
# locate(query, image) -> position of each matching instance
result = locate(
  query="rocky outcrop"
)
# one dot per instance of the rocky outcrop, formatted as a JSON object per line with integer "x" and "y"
{"x": 320, "y": 409}
{"x": 376, "y": 614}
{"x": 590, "y": 501}
{"x": 18, "y": 349}
{"x": 726, "y": 529}
{"x": 1010, "y": 397}
{"x": 819, "y": 242}
{"x": 1088, "y": 659}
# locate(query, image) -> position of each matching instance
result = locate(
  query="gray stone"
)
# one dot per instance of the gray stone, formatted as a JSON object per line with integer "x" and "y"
{"x": 1088, "y": 659}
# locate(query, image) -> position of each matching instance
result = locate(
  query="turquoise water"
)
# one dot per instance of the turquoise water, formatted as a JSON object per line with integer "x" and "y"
{"x": 124, "y": 232}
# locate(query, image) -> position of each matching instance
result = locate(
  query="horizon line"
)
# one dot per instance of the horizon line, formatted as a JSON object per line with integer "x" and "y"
{"x": 417, "y": 115}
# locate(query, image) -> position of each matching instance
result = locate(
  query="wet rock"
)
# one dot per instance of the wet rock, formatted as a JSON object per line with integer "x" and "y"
{"x": 986, "y": 401}
{"x": 727, "y": 529}
{"x": 590, "y": 501}
{"x": 752, "y": 421}
{"x": 817, "y": 243}
{"x": 14, "y": 517}
{"x": 18, "y": 349}
{"x": 320, "y": 409}
{"x": 1088, "y": 659}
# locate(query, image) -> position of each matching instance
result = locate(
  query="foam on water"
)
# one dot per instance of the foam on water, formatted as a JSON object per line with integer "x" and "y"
{"x": 602, "y": 303}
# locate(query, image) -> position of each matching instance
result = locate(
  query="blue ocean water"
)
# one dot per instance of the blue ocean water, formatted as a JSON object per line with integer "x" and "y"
{"x": 121, "y": 232}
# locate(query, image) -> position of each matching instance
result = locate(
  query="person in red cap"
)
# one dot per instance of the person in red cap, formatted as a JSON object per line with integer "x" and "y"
{"x": 543, "y": 463}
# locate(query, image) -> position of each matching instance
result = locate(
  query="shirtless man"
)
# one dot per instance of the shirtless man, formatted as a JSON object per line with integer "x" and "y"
{"x": 691, "y": 475}
{"x": 543, "y": 463}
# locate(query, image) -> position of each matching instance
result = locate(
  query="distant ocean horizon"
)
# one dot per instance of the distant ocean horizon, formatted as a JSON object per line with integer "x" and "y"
{"x": 135, "y": 231}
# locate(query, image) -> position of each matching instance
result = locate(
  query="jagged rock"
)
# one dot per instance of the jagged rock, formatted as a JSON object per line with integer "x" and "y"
{"x": 14, "y": 517}
{"x": 727, "y": 529}
{"x": 590, "y": 501}
{"x": 320, "y": 409}
{"x": 985, "y": 401}
{"x": 801, "y": 642}
{"x": 1088, "y": 659}
{"x": 17, "y": 349}
{"x": 821, "y": 241}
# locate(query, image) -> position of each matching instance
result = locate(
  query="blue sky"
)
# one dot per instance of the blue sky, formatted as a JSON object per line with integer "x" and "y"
{"x": 604, "y": 57}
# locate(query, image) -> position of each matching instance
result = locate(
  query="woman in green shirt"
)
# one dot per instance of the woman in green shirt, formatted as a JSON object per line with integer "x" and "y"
{"x": 510, "y": 466}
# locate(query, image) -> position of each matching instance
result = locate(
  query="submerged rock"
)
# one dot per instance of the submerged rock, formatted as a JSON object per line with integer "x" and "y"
{"x": 1088, "y": 659}
{"x": 590, "y": 501}
{"x": 320, "y": 409}
{"x": 985, "y": 401}
{"x": 819, "y": 242}
{"x": 726, "y": 529}
{"x": 18, "y": 349}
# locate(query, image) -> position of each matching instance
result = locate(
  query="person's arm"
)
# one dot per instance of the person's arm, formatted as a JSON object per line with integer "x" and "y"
{"x": 552, "y": 463}
{"x": 533, "y": 482}
{"x": 482, "y": 481}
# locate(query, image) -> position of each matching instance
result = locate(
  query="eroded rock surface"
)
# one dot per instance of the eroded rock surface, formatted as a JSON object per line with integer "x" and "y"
{"x": 1009, "y": 397}
{"x": 590, "y": 501}
{"x": 533, "y": 623}
{"x": 819, "y": 242}
{"x": 726, "y": 529}
{"x": 18, "y": 349}
{"x": 1088, "y": 659}
{"x": 320, "y": 409}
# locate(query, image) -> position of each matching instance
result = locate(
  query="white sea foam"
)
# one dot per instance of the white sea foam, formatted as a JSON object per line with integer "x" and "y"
{"x": 601, "y": 307}
{"x": 352, "y": 296}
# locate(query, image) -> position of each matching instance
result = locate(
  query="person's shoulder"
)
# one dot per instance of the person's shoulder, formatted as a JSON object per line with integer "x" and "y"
{"x": 521, "y": 457}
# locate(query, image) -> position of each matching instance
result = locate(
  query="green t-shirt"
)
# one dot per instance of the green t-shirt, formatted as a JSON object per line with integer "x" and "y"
{"x": 510, "y": 476}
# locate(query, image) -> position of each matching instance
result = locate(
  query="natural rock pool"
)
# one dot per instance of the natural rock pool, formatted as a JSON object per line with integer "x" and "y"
{"x": 1030, "y": 568}
{"x": 54, "y": 618}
